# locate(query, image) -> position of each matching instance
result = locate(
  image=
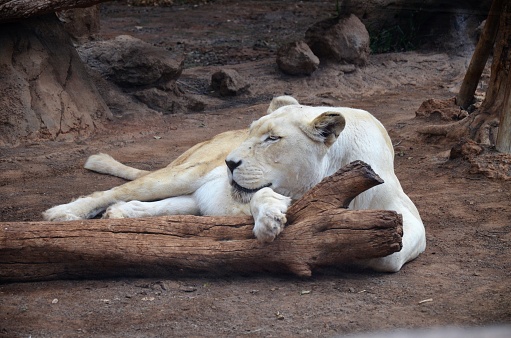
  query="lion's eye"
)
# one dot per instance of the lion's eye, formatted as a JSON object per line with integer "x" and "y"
{"x": 272, "y": 138}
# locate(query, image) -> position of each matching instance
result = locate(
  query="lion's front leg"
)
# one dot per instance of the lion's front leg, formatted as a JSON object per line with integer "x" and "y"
{"x": 269, "y": 211}
{"x": 181, "y": 205}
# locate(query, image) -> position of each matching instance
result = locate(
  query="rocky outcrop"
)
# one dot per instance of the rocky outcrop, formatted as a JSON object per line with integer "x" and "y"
{"x": 130, "y": 62}
{"x": 81, "y": 23}
{"x": 46, "y": 92}
{"x": 135, "y": 75}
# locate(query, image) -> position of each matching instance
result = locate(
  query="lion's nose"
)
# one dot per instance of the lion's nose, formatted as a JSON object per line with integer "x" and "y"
{"x": 232, "y": 165}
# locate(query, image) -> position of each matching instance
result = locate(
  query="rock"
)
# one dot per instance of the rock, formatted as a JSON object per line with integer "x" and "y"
{"x": 343, "y": 39}
{"x": 119, "y": 102}
{"x": 81, "y": 23}
{"x": 229, "y": 82}
{"x": 348, "y": 68}
{"x": 188, "y": 288}
{"x": 130, "y": 62}
{"x": 159, "y": 100}
{"x": 445, "y": 110}
{"x": 170, "y": 101}
{"x": 296, "y": 58}
{"x": 465, "y": 148}
{"x": 46, "y": 91}
{"x": 137, "y": 77}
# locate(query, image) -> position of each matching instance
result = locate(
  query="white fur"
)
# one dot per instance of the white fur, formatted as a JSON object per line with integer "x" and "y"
{"x": 269, "y": 211}
{"x": 106, "y": 164}
{"x": 284, "y": 154}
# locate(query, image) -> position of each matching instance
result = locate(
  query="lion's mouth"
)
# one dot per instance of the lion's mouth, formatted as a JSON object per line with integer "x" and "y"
{"x": 243, "y": 194}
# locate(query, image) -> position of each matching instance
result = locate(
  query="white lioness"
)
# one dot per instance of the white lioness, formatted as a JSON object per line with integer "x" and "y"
{"x": 259, "y": 172}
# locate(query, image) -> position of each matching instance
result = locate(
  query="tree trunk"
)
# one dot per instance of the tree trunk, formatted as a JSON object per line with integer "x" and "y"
{"x": 501, "y": 65}
{"x": 321, "y": 233}
{"x": 503, "y": 143}
{"x": 482, "y": 125}
{"x": 482, "y": 52}
{"x": 498, "y": 96}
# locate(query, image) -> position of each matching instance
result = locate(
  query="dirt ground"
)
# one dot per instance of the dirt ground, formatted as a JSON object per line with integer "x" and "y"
{"x": 463, "y": 278}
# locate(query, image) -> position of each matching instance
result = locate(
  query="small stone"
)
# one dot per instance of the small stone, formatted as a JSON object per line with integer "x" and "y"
{"x": 188, "y": 288}
{"x": 348, "y": 68}
{"x": 279, "y": 316}
{"x": 228, "y": 82}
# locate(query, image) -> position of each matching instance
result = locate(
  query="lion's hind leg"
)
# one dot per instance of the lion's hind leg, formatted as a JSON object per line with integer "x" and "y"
{"x": 181, "y": 180}
{"x": 106, "y": 164}
{"x": 81, "y": 208}
{"x": 414, "y": 243}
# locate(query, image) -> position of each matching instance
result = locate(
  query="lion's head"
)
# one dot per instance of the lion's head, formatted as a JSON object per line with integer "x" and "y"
{"x": 285, "y": 150}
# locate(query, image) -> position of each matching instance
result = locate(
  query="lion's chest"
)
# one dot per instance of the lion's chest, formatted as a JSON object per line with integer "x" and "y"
{"x": 214, "y": 196}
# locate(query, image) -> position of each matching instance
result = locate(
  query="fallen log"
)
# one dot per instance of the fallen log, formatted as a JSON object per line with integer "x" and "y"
{"x": 320, "y": 232}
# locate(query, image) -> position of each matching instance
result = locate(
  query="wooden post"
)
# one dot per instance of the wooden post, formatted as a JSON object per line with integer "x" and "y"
{"x": 482, "y": 52}
{"x": 503, "y": 143}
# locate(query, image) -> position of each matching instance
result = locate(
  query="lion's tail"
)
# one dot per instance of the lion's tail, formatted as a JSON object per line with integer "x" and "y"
{"x": 106, "y": 164}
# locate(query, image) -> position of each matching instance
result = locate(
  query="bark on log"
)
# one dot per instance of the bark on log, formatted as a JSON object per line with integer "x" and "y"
{"x": 503, "y": 143}
{"x": 14, "y": 10}
{"x": 322, "y": 233}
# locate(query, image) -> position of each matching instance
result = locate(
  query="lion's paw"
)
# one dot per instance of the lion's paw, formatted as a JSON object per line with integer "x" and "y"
{"x": 269, "y": 211}
{"x": 131, "y": 209}
{"x": 115, "y": 211}
{"x": 269, "y": 225}
{"x": 60, "y": 213}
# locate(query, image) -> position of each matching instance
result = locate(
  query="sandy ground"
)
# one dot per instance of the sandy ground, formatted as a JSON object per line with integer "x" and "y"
{"x": 463, "y": 278}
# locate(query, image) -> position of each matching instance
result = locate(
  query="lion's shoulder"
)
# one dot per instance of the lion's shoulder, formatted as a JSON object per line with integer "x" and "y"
{"x": 214, "y": 150}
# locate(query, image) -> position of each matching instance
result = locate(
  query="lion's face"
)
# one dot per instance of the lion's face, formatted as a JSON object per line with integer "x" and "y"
{"x": 285, "y": 151}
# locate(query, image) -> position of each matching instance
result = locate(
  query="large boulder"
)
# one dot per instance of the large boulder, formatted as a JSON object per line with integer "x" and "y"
{"x": 136, "y": 77}
{"x": 296, "y": 58}
{"x": 343, "y": 39}
{"x": 46, "y": 91}
{"x": 130, "y": 62}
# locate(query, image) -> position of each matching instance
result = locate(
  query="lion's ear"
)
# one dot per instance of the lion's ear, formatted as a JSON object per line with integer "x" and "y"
{"x": 326, "y": 127}
{"x": 281, "y": 101}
